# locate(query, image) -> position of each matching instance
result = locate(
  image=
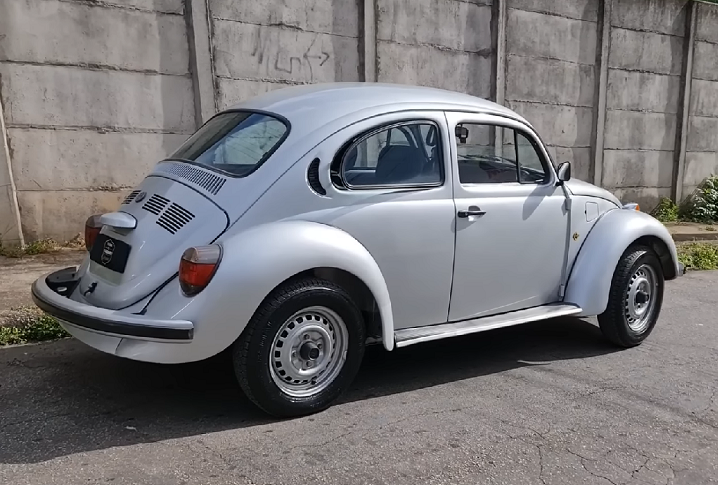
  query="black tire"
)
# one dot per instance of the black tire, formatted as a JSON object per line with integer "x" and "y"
{"x": 615, "y": 321}
{"x": 251, "y": 352}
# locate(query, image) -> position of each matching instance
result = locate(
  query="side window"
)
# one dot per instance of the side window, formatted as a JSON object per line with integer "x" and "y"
{"x": 532, "y": 169}
{"x": 398, "y": 155}
{"x": 490, "y": 154}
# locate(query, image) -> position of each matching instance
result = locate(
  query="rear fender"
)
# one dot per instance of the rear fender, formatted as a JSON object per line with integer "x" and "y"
{"x": 589, "y": 282}
{"x": 256, "y": 261}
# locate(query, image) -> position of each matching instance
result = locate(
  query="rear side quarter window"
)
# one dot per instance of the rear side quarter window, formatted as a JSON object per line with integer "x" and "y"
{"x": 407, "y": 154}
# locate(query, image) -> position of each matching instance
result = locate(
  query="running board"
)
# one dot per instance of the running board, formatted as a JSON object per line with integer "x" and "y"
{"x": 409, "y": 336}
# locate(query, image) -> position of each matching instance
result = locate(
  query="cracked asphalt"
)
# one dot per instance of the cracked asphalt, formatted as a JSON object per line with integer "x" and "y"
{"x": 546, "y": 403}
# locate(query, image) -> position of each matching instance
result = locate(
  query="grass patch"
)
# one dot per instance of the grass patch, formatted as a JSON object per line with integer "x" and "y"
{"x": 666, "y": 211}
{"x": 698, "y": 255}
{"x": 42, "y": 246}
{"x": 26, "y": 325}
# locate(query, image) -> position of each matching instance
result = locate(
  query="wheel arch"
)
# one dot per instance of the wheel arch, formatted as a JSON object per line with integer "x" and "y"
{"x": 258, "y": 261}
{"x": 589, "y": 282}
{"x": 357, "y": 289}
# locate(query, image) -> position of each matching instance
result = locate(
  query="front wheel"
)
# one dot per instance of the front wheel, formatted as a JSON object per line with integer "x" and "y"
{"x": 635, "y": 298}
{"x": 301, "y": 350}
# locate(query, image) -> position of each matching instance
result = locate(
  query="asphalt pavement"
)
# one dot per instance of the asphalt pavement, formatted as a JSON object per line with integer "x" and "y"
{"x": 545, "y": 403}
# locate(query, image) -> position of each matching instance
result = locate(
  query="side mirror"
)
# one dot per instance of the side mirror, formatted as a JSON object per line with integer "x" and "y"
{"x": 564, "y": 172}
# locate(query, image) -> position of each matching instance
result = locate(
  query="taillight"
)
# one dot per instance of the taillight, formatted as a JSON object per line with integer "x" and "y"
{"x": 92, "y": 229}
{"x": 197, "y": 267}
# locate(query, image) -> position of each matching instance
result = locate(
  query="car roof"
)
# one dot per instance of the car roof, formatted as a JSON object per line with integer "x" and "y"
{"x": 336, "y": 100}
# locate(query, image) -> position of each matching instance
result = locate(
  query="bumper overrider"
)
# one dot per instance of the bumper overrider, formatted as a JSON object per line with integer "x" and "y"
{"x": 51, "y": 294}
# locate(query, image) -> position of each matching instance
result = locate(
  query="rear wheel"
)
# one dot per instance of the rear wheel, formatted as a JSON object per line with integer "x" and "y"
{"x": 635, "y": 298}
{"x": 301, "y": 350}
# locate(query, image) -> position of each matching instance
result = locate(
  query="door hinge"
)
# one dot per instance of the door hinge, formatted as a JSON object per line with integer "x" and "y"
{"x": 567, "y": 204}
{"x": 562, "y": 291}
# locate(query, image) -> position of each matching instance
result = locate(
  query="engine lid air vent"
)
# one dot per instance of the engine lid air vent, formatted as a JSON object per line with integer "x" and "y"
{"x": 130, "y": 197}
{"x": 313, "y": 177}
{"x": 155, "y": 204}
{"x": 174, "y": 218}
{"x": 208, "y": 181}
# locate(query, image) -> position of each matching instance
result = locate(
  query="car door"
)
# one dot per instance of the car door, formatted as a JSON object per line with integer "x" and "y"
{"x": 390, "y": 188}
{"x": 511, "y": 220}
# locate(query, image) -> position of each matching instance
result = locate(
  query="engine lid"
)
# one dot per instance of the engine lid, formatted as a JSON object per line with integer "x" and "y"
{"x": 128, "y": 263}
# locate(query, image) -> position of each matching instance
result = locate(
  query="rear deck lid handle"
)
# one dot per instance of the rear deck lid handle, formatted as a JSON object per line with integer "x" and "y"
{"x": 119, "y": 220}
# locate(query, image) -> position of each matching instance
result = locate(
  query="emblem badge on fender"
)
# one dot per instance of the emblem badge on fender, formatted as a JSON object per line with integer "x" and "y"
{"x": 108, "y": 249}
{"x": 140, "y": 197}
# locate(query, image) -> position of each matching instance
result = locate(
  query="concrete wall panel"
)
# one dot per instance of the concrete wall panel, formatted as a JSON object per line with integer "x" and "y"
{"x": 642, "y": 91}
{"x": 325, "y": 16}
{"x": 36, "y": 95}
{"x": 628, "y": 168}
{"x": 564, "y": 126}
{"x": 427, "y": 66}
{"x": 699, "y": 165}
{"x": 575, "y": 9}
{"x": 642, "y": 51}
{"x": 646, "y": 197}
{"x": 245, "y": 51}
{"x": 83, "y": 160}
{"x": 550, "y": 81}
{"x": 705, "y": 62}
{"x": 704, "y": 98}
{"x": 448, "y": 23}
{"x": 660, "y": 16}
{"x": 707, "y": 25}
{"x": 702, "y": 134}
{"x": 540, "y": 35}
{"x": 62, "y": 214}
{"x": 166, "y": 6}
{"x": 640, "y": 131}
{"x": 232, "y": 91}
{"x": 75, "y": 33}
{"x": 580, "y": 159}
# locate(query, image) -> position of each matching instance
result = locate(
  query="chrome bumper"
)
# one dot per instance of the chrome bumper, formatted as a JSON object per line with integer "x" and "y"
{"x": 50, "y": 293}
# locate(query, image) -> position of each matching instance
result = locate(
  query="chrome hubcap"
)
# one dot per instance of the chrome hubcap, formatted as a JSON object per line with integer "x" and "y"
{"x": 308, "y": 351}
{"x": 640, "y": 298}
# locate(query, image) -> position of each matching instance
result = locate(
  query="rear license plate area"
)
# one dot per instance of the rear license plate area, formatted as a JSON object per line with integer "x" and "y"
{"x": 110, "y": 253}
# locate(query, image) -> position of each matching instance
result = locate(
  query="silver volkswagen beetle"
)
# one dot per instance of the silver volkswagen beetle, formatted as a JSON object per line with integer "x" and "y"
{"x": 297, "y": 227}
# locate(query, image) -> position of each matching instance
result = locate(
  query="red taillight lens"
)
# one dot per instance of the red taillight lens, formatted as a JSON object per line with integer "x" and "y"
{"x": 92, "y": 229}
{"x": 197, "y": 267}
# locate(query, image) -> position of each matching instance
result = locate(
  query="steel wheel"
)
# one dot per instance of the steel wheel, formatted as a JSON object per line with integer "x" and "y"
{"x": 640, "y": 301}
{"x": 308, "y": 351}
{"x": 635, "y": 298}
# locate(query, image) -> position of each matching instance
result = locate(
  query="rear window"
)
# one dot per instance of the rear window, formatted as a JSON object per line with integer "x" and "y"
{"x": 236, "y": 142}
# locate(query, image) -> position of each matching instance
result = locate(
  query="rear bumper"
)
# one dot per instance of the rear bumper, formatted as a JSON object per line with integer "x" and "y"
{"x": 46, "y": 292}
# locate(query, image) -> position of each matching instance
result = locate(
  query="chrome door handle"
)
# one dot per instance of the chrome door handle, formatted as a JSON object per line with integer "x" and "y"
{"x": 472, "y": 211}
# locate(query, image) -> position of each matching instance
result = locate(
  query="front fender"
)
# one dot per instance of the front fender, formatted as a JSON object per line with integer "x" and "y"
{"x": 589, "y": 282}
{"x": 257, "y": 260}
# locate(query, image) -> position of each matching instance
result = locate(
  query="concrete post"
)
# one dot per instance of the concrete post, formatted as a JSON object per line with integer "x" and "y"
{"x": 599, "y": 129}
{"x": 685, "y": 103}
{"x": 501, "y": 19}
{"x": 368, "y": 53}
{"x": 10, "y": 225}
{"x": 201, "y": 64}
{"x": 500, "y": 12}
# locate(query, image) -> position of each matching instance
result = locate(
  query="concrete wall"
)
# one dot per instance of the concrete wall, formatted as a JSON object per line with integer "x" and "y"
{"x": 439, "y": 43}
{"x": 551, "y": 73}
{"x": 643, "y": 100}
{"x": 702, "y": 146}
{"x": 261, "y": 46}
{"x": 94, "y": 93}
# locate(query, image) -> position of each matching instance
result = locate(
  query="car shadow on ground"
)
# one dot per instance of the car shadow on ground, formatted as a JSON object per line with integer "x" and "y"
{"x": 63, "y": 398}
